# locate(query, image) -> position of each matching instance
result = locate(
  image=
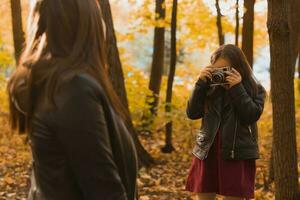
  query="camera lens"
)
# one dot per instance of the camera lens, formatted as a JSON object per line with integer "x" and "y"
{"x": 218, "y": 77}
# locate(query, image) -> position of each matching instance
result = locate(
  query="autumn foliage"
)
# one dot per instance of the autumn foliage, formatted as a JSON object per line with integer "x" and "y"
{"x": 197, "y": 36}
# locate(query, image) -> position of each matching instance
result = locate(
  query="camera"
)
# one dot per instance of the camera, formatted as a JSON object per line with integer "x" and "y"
{"x": 219, "y": 76}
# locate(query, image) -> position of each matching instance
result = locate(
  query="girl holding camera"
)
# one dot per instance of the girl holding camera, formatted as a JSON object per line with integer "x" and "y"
{"x": 226, "y": 144}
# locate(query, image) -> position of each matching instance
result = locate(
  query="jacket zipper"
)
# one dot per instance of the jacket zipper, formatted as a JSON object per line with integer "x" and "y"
{"x": 249, "y": 128}
{"x": 214, "y": 134}
{"x": 212, "y": 140}
{"x": 234, "y": 139}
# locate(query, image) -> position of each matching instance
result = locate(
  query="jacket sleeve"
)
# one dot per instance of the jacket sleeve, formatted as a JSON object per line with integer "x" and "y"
{"x": 195, "y": 104}
{"x": 247, "y": 108}
{"x": 83, "y": 134}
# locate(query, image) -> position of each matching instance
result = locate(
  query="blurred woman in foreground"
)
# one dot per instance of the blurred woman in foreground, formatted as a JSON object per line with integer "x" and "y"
{"x": 62, "y": 96}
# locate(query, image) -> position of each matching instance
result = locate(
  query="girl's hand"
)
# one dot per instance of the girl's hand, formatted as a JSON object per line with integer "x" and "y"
{"x": 205, "y": 73}
{"x": 233, "y": 78}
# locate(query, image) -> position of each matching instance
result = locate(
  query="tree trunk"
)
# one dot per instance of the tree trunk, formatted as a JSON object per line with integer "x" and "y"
{"x": 237, "y": 23}
{"x": 294, "y": 20}
{"x": 283, "y": 102}
{"x": 299, "y": 71}
{"x": 248, "y": 29}
{"x": 158, "y": 55}
{"x": 271, "y": 168}
{"x": 219, "y": 24}
{"x": 156, "y": 67}
{"x": 168, "y": 140}
{"x": 17, "y": 27}
{"x": 299, "y": 67}
{"x": 117, "y": 78}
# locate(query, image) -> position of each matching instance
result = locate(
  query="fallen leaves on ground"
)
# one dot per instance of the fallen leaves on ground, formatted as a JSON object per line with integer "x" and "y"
{"x": 14, "y": 164}
{"x": 163, "y": 181}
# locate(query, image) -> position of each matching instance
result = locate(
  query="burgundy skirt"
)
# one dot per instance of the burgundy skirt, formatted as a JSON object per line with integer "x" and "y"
{"x": 224, "y": 177}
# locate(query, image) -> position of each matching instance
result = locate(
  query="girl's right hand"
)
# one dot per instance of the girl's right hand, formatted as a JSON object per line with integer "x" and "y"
{"x": 205, "y": 73}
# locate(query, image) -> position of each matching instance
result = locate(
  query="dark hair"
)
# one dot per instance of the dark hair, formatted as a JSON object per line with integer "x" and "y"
{"x": 235, "y": 56}
{"x": 65, "y": 37}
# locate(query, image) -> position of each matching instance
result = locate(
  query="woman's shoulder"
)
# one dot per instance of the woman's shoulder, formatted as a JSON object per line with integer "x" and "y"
{"x": 80, "y": 86}
{"x": 82, "y": 82}
{"x": 261, "y": 89}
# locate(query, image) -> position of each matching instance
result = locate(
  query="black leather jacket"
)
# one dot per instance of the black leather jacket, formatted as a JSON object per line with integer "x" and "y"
{"x": 236, "y": 117}
{"x": 81, "y": 150}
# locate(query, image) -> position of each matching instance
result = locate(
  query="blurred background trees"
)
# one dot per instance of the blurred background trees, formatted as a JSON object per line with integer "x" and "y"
{"x": 248, "y": 30}
{"x": 17, "y": 25}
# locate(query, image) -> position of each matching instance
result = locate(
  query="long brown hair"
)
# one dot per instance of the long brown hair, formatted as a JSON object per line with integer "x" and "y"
{"x": 238, "y": 61}
{"x": 64, "y": 37}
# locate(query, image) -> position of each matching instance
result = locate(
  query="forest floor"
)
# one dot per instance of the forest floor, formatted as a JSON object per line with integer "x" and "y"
{"x": 163, "y": 181}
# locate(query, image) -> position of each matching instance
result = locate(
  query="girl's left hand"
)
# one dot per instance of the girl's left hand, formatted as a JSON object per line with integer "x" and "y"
{"x": 233, "y": 78}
